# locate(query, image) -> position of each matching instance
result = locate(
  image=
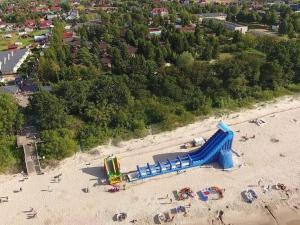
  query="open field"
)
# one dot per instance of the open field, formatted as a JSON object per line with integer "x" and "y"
{"x": 261, "y": 160}
{"x": 5, "y": 42}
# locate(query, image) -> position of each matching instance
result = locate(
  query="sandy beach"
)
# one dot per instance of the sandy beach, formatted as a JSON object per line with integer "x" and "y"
{"x": 262, "y": 161}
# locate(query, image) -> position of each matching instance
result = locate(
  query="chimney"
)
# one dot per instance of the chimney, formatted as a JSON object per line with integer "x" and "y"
{"x": 8, "y": 57}
{"x": 4, "y": 61}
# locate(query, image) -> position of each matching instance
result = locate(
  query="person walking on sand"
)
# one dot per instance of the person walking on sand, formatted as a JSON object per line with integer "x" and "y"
{"x": 172, "y": 218}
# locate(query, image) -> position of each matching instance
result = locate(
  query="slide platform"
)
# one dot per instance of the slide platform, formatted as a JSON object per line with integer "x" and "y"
{"x": 216, "y": 149}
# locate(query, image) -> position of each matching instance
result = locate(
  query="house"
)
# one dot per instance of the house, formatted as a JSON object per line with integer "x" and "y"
{"x": 55, "y": 9}
{"x": 216, "y": 16}
{"x": 68, "y": 34}
{"x": 73, "y": 14}
{"x": 51, "y": 16}
{"x": 12, "y": 47}
{"x": 295, "y": 7}
{"x": 106, "y": 62}
{"x": 154, "y": 31}
{"x": 29, "y": 23}
{"x": 131, "y": 50}
{"x": 2, "y": 25}
{"x": 41, "y": 9}
{"x": 10, "y": 9}
{"x": 186, "y": 29}
{"x": 10, "y": 61}
{"x": 28, "y": 30}
{"x": 40, "y": 38}
{"x": 103, "y": 46}
{"x": 108, "y": 9}
{"x": 45, "y": 24}
{"x": 236, "y": 27}
{"x": 159, "y": 12}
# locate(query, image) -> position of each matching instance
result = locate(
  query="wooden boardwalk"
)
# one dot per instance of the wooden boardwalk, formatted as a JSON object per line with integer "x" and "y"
{"x": 31, "y": 156}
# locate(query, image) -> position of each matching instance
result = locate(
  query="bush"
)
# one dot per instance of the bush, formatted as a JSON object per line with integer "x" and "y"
{"x": 9, "y": 157}
{"x": 91, "y": 136}
{"x": 11, "y": 118}
{"x": 58, "y": 144}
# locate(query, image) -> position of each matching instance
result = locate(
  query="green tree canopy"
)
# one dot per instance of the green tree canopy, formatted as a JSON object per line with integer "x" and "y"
{"x": 10, "y": 114}
{"x": 58, "y": 144}
{"x": 48, "y": 111}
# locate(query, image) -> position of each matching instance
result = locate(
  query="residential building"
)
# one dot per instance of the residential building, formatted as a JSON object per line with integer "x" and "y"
{"x": 73, "y": 14}
{"x": 186, "y": 29}
{"x": 131, "y": 50}
{"x": 106, "y": 62}
{"x": 155, "y": 31}
{"x": 216, "y": 16}
{"x": 295, "y": 7}
{"x": 45, "y": 24}
{"x": 236, "y": 27}
{"x": 10, "y": 61}
{"x": 29, "y": 23}
{"x": 159, "y": 11}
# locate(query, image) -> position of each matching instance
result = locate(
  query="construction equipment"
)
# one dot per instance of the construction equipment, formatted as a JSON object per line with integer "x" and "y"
{"x": 112, "y": 169}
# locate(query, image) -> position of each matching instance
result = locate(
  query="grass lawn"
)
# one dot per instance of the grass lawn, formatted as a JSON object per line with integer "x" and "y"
{"x": 225, "y": 55}
{"x": 39, "y": 32}
{"x": 255, "y": 52}
{"x": 4, "y": 42}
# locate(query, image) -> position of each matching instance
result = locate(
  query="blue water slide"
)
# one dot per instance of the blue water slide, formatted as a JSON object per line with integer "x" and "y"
{"x": 216, "y": 149}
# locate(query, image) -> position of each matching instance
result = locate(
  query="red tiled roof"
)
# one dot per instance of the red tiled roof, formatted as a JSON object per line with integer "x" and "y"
{"x": 13, "y": 46}
{"x": 68, "y": 34}
{"x": 29, "y": 23}
{"x": 159, "y": 10}
{"x": 154, "y": 29}
{"x": 45, "y": 24}
{"x": 55, "y": 8}
{"x": 131, "y": 49}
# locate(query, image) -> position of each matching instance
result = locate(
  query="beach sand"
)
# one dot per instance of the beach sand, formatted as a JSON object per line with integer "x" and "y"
{"x": 65, "y": 202}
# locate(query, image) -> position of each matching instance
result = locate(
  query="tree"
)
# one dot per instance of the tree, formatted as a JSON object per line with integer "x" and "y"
{"x": 10, "y": 114}
{"x": 271, "y": 75}
{"x": 58, "y": 144}
{"x": 48, "y": 111}
{"x": 286, "y": 27}
{"x": 75, "y": 95}
{"x": 185, "y": 60}
{"x": 65, "y": 5}
{"x": 8, "y": 157}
